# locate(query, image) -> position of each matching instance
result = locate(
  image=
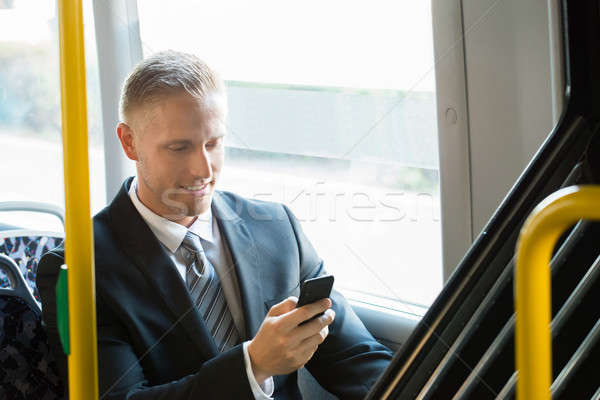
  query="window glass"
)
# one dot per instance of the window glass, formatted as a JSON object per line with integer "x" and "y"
{"x": 30, "y": 120}
{"x": 332, "y": 112}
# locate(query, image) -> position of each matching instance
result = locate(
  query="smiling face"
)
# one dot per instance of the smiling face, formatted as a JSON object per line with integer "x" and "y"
{"x": 177, "y": 143}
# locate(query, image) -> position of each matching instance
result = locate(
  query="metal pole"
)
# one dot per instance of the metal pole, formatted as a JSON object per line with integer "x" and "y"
{"x": 532, "y": 283}
{"x": 83, "y": 369}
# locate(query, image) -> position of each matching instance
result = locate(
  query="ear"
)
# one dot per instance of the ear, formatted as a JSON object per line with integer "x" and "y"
{"x": 125, "y": 134}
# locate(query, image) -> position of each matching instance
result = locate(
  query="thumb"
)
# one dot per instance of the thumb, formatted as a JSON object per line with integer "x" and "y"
{"x": 285, "y": 306}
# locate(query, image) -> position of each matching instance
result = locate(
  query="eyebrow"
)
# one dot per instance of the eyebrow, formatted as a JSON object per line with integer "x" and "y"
{"x": 187, "y": 141}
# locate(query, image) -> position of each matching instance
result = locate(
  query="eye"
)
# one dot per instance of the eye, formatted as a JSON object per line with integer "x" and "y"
{"x": 178, "y": 149}
{"x": 213, "y": 143}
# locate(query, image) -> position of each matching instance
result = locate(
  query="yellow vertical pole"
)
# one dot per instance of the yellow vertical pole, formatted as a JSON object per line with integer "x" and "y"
{"x": 532, "y": 283}
{"x": 83, "y": 369}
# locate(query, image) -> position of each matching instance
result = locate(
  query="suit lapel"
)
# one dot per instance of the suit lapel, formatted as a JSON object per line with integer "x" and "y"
{"x": 245, "y": 262}
{"x": 140, "y": 244}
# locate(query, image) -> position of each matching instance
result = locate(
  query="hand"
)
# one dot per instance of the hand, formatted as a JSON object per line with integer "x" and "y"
{"x": 281, "y": 346}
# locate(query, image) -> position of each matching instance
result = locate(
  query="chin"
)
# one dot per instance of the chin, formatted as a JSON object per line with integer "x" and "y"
{"x": 201, "y": 205}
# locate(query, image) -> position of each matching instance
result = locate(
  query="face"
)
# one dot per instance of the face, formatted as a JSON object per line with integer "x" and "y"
{"x": 177, "y": 143}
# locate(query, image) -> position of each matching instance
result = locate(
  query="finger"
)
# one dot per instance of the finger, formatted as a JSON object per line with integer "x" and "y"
{"x": 309, "y": 346}
{"x": 305, "y": 349}
{"x": 283, "y": 307}
{"x": 299, "y": 315}
{"x": 324, "y": 333}
{"x": 316, "y": 325}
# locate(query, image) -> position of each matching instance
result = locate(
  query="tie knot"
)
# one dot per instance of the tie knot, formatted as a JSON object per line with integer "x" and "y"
{"x": 191, "y": 242}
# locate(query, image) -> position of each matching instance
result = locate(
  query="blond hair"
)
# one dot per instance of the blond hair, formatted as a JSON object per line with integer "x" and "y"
{"x": 164, "y": 73}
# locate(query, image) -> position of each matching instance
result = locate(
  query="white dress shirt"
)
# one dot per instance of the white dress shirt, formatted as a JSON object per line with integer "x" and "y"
{"x": 171, "y": 234}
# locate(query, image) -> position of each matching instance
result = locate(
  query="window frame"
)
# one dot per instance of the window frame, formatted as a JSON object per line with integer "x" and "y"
{"x": 119, "y": 48}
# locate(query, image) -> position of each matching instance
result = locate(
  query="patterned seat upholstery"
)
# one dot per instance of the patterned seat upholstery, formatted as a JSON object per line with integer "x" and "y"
{"x": 26, "y": 250}
{"x": 28, "y": 368}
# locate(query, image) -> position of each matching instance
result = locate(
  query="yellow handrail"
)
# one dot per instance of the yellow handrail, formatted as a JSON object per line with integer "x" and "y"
{"x": 83, "y": 370}
{"x": 532, "y": 283}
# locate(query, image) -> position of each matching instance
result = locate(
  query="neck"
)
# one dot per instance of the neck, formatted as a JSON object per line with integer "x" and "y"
{"x": 171, "y": 215}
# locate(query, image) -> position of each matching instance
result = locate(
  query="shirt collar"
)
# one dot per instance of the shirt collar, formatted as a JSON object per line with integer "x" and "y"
{"x": 169, "y": 233}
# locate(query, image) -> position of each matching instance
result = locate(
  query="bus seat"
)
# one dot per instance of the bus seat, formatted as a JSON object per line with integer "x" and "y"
{"x": 25, "y": 247}
{"x": 310, "y": 388}
{"x": 27, "y": 367}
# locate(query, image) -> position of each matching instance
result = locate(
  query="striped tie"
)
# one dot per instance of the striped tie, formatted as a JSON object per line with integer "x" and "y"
{"x": 207, "y": 294}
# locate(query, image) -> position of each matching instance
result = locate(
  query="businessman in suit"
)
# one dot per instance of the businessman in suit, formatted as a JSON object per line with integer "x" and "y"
{"x": 196, "y": 288}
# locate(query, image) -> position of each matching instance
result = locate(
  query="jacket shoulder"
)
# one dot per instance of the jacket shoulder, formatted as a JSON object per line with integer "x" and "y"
{"x": 233, "y": 198}
{"x": 50, "y": 262}
{"x": 247, "y": 208}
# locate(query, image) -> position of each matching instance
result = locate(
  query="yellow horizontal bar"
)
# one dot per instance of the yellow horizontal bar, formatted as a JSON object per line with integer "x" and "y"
{"x": 83, "y": 370}
{"x": 532, "y": 283}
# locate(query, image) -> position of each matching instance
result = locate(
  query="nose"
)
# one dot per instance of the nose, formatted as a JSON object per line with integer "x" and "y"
{"x": 201, "y": 167}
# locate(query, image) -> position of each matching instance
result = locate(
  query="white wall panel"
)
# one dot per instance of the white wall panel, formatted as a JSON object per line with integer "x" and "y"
{"x": 509, "y": 90}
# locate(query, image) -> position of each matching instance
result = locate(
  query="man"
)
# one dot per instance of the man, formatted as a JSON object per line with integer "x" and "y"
{"x": 195, "y": 287}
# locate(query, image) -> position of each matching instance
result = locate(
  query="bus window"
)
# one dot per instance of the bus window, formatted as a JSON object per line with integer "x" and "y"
{"x": 30, "y": 118}
{"x": 332, "y": 111}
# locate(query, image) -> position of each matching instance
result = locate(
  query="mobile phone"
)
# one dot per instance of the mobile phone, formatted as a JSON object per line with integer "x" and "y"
{"x": 313, "y": 290}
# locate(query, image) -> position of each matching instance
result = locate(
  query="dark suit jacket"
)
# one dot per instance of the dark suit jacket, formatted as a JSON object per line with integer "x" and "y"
{"x": 152, "y": 343}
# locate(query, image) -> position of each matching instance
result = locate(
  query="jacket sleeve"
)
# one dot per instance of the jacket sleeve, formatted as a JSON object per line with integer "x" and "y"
{"x": 350, "y": 360}
{"x": 120, "y": 373}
